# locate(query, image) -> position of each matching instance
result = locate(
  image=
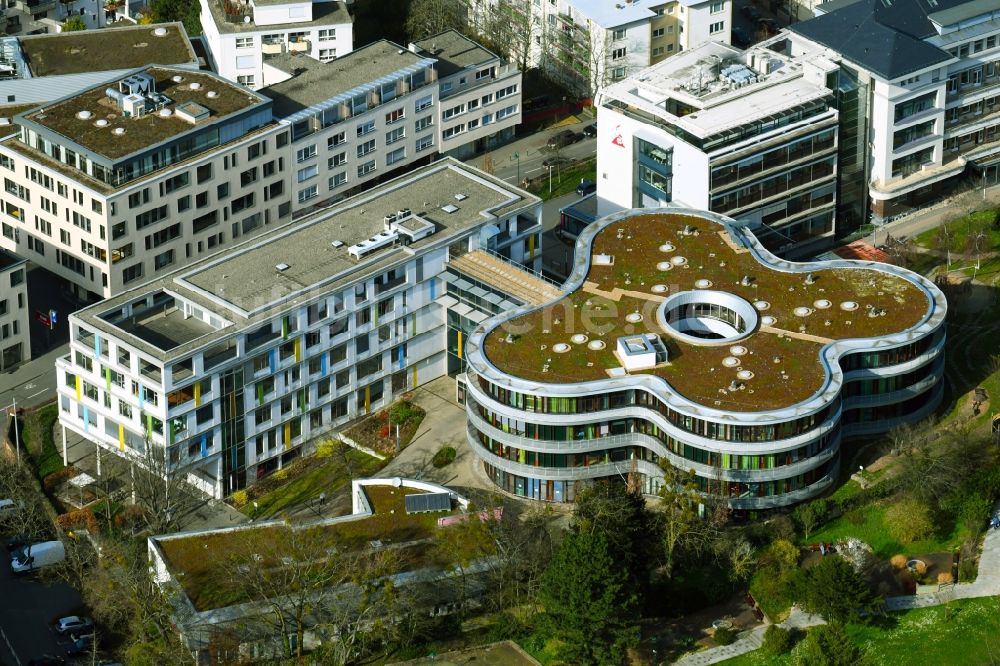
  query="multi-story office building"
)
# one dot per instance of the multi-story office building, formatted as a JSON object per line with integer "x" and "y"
{"x": 355, "y": 118}
{"x": 242, "y": 35}
{"x": 752, "y": 135}
{"x": 479, "y": 95}
{"x": 590, "y": 43}
{"x": 15, "y": 335}
{"x": 115, "y": 185}
{"x": 928, "y": 75}
{"x": 384, "y": 108}
{"x": 41, "y": 68}
{"x": 680, "y": 339}
{"x": 225, "y": 368}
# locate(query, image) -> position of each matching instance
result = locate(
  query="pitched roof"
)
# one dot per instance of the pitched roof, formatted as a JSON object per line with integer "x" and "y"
{"x": 883, "y": 37}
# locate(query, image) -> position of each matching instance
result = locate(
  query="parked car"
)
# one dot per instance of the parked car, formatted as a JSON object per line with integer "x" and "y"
{"x": 9, "y": 507}
{"x": 74, "y": 624}
{"x": 38, "y": 555}
{"x": 563, "y": 138}
{"x": 586, "y": 187}
{"x": 78, "y": 644}
{"x": 741, "y": 37}
{"x": 750, "y": 12}
{"x": 590, "y": 131}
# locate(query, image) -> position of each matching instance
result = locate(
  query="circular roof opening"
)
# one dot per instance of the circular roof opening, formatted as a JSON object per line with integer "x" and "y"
{"x": 707, "y": 317}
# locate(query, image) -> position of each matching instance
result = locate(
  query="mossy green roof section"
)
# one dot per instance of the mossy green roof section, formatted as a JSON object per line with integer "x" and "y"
{"x": 100, "y": 50}
{"x": 784, "y": 359}
{"x": 201, "y": 562}
{"x": 150, "y": 129}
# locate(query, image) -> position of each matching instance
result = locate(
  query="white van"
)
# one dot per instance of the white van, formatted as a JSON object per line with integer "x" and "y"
{"x": 37, "y": 555}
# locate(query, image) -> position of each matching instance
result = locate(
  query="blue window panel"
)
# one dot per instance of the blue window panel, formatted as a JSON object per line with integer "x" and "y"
{"x": 323, "y": 360}
{"x": 142, "y": 394}
{"x": 272, "y": 359}
{"x": 97, "y": 347}
{"x": 402, "y": 360}
{"x": 433, "y": 289}
{"x": 86, "y": 418}
{"x": 204, "y": 445}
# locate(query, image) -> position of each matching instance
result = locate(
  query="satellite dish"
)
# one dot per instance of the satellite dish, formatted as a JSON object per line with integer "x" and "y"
{"x": 246, "y": 19}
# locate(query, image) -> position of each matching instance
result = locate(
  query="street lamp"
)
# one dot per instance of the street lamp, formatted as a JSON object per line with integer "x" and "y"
{"x": 517, "y": 156}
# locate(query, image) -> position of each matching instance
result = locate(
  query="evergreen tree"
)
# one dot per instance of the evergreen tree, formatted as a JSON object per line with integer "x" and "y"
{"x": 827, "y": 645}
{"x": 620, "y": 514}
{"x": 589, "y": 603}
{"x": 834, "y": 590}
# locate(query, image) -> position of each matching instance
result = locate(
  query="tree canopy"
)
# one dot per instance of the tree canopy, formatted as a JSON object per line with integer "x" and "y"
{"x": 590, "y": 606}
{"x": 834, "y": 590}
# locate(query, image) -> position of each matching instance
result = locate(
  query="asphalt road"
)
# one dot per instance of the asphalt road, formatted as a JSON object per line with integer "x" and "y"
{"x": 27, "y": 609}
{"x": 523, "y": 157}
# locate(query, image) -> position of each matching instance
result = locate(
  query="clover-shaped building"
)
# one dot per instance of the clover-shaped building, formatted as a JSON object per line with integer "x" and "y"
{"x": 678, "y": 339}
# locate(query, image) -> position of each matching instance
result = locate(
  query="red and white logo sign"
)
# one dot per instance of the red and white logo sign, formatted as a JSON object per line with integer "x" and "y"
{"x": 618, "y": 138}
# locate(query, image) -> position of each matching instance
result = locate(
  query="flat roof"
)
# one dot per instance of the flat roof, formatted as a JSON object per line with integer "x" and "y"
{"x": 61, "y": 116}
{"x": 113, "y": 48}
{"x": 455, "y": 52}
{"x": 323, "y": 13}
{"x": 655, "y": 256}
{"x": 610, "y": 13}
{"x": 8, "y": 259}
{"x": 166, "y": 329}
{"x": 314, "y": 82}
{"x": 244, "y": 286}
{"x": 712, "y": 103}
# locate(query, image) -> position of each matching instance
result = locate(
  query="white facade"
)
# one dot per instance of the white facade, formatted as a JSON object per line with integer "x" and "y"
{"x": 103, "y": 238}
{"x": 239, "y": 47}
{"x": 933, "y": 110}
{"x": 15, "y": 332}
{"x": 745, "y": 134}
{"x": 591, "y": 43}
{"x": 166, "y": 361}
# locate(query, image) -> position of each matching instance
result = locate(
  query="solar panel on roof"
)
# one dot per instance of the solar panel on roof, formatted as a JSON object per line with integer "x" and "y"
{"x": 427, "y": 502}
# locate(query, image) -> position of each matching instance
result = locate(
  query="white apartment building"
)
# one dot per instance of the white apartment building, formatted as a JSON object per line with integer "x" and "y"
{"x": 590, "y": 43}
{"x": 40, "y": 68}
{"x": 751, "y": 135}
{"x": 929, "y": 92}
{"x": 382, "y": 108}
{"x": 242, "y": 35}
{"x": 15, "y": 332}
{"x": 123, "y": 182}
{"x": 479, "y": 95}
{"x": 230, "y": 365}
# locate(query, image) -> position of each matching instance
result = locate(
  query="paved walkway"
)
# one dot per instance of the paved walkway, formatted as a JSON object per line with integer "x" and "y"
{"x": 987, "y": 585}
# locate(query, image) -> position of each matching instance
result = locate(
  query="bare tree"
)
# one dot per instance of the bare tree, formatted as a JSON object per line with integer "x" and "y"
{"x": 683, "y": 526}
{"x": 506, "y": 27}
{"x": 430, "y": 17}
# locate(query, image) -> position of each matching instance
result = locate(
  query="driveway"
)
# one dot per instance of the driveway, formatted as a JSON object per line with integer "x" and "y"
{"x": 27, "y": 610}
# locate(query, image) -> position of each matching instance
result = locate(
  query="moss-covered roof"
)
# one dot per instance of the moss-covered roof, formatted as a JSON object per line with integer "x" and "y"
{"x": 782, "y": 353}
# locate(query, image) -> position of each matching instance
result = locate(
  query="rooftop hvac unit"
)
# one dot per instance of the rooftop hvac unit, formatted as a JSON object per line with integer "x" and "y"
{"x": 133, "y": 105}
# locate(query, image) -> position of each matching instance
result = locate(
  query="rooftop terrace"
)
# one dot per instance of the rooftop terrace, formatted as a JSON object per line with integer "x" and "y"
{"x": 641, "y": 261}
{"x": 455, "y": 52}
{"x": 229, "y": 16}
{"x": 101, "y": 50}
{"x": 63, "y": 116}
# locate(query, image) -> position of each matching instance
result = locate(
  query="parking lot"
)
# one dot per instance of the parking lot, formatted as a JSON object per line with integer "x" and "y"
{"x": 28, "y": 607}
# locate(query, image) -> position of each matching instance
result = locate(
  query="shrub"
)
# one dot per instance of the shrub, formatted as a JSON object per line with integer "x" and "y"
{"x": 724, "y": 636}
{"x": 78, "y": 519}
{"x": 898, "y": 561}
{"x": 400, "y": 412}
{"x": 239, "y": 498}
{"x": 53, "y": 480}
{"x": 326, "y": 449}
{"x": 443, "y": 457}
{"x": 909, "y": 520}
{"x": 944, "y": 578}
{"x": 129, "y": 516}
{"x": 920, "y": 568}
{"x": 281, "y": 474}
{"x": 384, "y": 431}
{"x": 777, "y": 640}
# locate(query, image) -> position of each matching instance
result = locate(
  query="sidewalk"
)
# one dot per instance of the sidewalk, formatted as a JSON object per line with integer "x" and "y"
{"x": 943, "y": 211}
{"x": 987, "y": 585}
{"x": 530, "y": 153}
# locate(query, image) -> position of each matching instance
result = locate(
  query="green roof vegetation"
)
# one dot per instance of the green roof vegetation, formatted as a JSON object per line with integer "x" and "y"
{"x": 202, "y": 562}
{"x": 783, "y": 354}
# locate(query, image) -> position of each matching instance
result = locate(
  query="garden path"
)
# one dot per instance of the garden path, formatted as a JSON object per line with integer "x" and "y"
{"x": 987, "y": 584}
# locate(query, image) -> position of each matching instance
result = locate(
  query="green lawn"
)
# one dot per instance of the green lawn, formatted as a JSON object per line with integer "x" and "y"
{"x": 923, "y": 636}
{"x": 566, "y": 180}
{"x": 38, "y": 440}
{"x": 868, "y": 524}
{"x": 960, "y": 230}
{"x": 336, "y": 473}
